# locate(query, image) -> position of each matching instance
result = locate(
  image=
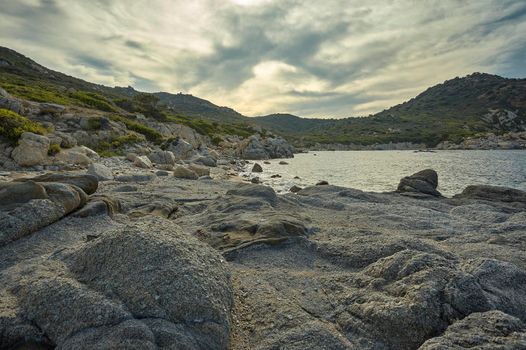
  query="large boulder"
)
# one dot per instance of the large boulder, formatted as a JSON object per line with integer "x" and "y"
{"x": 162, "y": 157}
{"x": 9, "y": 102}
{"x": 142, "y": 162}
{"x": 255, "y": 191}
{"x": 52, "y": 108}
{"x": 278, "y": 148}
{"x": 32, "y": 150}
{"x": 253, "y": 148}
{"x": 257, "y": 168}
{"x": 26, "y": 206}
{"x": 88, "y": 183}
{"x": 143, "y": 286}
{"x": 100, "y": 171}
{"x": 182, "y": 172}
{"x": 200, "y": 170}
{"x": 424, "y": 182}
{"x": 72, "y": 156}
{"x": 180, "y": 148}
{"x": 205, "y": 160}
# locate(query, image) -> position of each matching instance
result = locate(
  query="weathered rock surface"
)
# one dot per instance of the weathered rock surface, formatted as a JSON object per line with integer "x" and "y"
{"x": 162, "y": 157}
{"x": 256, "y": 148}
{"x": 31, "y": 150}
{"x": 30, "y": 204}
{"x": 142, "y": 162}
{"x": 100, "y": 171}
{"x": 324, "y": 268}
{"x": 178, "y": 296}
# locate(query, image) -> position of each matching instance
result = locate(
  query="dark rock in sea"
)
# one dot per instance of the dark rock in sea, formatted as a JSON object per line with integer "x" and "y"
{"x": 322, "y": 183}
{"x": 295, "y": 189}
{"x": 255, "y": 180}
{"x": 275, "y": 176}
{"x": 425, "y": 181}
{"x": 257, "y": 168}
{"x": 282, "y": 162}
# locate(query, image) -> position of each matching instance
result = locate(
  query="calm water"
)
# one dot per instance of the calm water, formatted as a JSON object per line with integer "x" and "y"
{"x": 381, "y": 170}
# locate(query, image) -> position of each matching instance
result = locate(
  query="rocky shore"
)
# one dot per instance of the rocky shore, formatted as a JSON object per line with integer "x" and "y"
{"x": 122, "y": 256}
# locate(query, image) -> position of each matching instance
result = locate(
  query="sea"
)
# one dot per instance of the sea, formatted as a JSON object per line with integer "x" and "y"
{"x": 381, "y": 171}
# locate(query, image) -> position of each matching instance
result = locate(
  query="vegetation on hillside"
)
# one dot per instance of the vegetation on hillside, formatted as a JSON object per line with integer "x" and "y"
{"x": 13, "y": 125}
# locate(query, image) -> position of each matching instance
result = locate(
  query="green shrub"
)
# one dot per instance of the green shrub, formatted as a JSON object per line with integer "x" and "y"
{"x": 150, "y": 134}
{"x": 94, "y": 100}
{"x": 94, "y": 123}
{"x": 54, "y": 148}
{"x": 12, "y": 125}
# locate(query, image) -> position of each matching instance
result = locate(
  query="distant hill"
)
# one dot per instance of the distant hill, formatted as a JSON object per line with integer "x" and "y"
{"x": 469, "y": 106}
{"x": 460, "y": 107}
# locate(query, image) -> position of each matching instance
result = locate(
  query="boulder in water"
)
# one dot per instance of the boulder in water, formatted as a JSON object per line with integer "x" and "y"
{"x": 425, "y": 182}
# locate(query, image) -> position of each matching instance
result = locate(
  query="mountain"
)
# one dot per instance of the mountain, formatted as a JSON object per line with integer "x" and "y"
{"x": 461, "y": 107}
{"x": 473, "y": 105}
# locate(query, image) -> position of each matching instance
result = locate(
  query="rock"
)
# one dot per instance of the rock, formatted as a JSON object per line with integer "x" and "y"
{"x": 162, "y": 173}
{"x": 30, "y": 206}
{"x": 205, "y": 177}
{"x": 142, "y": 162}
{"x": 493, "y": 193}
{"x": 136, "y": 178}
{"x": 13, "y": 193}
{"x": 255, "y": 180}
{"x": 10, "y": 103}
{"x": 66, "y": 140}
{"x": 266, "y": 162}
{"x": 162, "y": 157}
{"x": 282, "y": 162}
{"x": 32, "y": 150}
{"x": 100, "y": 171}
{"x": 322, "y": 183}
{"x": 52, "y": 108}
{"x": 206, "y": 160}
{"x": 88, "y": 183}
{"x": 180, "y": 148}
{"x": 178, "y": 296}
{"x": 131, "y": 156}
{"x": 257, "y": 168}
{"x": 252, "y": 148}
{"x": 481, "y": 330}
{"x": 425, "y": 181}
{"x": 184, "y": 173}
{"x": 278, "y": 148}
{"x": 255, "y": 191}
{"x": 99, "y": 205}
{"x": 72, "y": 156}
{"x": 200, "y": 170}
{"x": 275, "y": 176}
{"x": 295, "y": 189}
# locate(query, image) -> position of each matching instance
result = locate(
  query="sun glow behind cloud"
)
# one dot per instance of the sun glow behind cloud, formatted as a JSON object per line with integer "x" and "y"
{"x": 326, "y": 59}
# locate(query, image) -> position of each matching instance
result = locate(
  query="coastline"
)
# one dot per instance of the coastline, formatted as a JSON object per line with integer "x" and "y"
{"x": 235, "y": 266}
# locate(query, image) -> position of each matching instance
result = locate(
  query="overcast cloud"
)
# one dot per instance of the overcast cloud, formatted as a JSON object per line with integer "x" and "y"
{"x": 330, "y": 58}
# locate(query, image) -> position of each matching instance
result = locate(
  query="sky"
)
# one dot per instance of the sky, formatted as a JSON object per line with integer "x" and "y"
{"x": 330, "y": 58}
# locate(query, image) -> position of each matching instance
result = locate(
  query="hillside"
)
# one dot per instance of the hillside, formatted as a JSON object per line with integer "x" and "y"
{"x": 24, "y": 78}
{"x": 470, "y": 106}
{"x": 473, "y": 105}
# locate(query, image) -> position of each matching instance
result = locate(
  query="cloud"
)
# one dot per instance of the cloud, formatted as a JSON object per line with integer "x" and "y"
{"x": 335, "y": 58}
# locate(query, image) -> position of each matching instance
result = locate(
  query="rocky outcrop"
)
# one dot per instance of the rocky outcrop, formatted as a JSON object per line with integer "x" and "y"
{"x": 178, "y": 296}
{"x": 142, "y": 162}
{"x": 32, "y": 150}
{"x": 257, "y": 168}
{"x": 256, "y": 148}
{"x": 510, "y": 140}
{"x": 493, "y": 193}
{"x": 423, "y": 182}
{"x": 30, "y": 204}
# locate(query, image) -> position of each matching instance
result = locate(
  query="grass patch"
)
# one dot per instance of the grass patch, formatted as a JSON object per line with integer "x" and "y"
{"x": 13, "y": 125}
{"x": 150, "y": 134}
{"x": 91, "y": 99}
